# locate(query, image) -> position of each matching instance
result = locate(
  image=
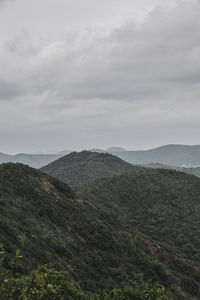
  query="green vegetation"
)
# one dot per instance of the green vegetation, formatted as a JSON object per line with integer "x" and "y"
{"x": 85, "y": 166}
{"x": 193, "y": 171}
{"x": 46, "y": 283}
{"x": 98, "y": 251}
{"x": 163, "y": 204}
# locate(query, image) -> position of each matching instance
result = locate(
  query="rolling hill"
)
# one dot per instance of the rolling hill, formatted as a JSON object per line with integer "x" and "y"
{"x": 175, "y": 155}
{"x": 93, "y": 245}
{"x": 163, "y": 204}
{"x": 78, "y": 167}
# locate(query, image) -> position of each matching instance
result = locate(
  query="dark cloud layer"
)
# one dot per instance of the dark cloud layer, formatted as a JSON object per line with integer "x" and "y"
{"x": 129, "y": 63}
{"x": 139, "y": 77}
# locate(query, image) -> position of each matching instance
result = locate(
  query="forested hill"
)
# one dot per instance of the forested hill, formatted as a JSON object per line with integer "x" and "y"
{"x": 163, "y": 204}
{"x": 84, "y": 166}
{"x": 93, "y": 245}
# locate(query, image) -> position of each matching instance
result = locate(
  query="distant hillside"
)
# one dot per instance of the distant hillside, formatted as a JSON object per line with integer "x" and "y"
{"x": 33, "y": 160}
{"x": 64, "y": 152}
{"x": 84, "y": 166}
{"x": 109, "y": 150}
{"x": 115, "y": 149}
{"x": 175, "y": 155}
{"x": 194, "y": 171}
{"x": 163, "y": 204}
{"x": 94, "y": 246}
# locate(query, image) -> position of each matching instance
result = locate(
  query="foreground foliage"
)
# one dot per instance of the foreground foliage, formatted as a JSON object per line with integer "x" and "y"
{"x": 48, "y": 284}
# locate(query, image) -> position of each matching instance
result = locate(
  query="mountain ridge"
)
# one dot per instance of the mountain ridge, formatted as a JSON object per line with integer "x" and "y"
{"x": 172, "y": 154}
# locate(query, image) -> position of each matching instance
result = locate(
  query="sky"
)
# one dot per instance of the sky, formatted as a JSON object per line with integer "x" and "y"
{"x": 81, "y": 74}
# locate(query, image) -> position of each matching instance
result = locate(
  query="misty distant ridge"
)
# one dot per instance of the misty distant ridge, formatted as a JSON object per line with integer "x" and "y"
{"x": 33, "y": 160}
{"x": 172, "y": 155}
{"x": 109, "y": 150}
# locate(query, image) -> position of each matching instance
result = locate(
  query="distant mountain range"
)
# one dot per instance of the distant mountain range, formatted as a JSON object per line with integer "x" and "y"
{"x": 115, "y": 149}
{"x": 33, "y": 160}
{"x": 172, "y": 155}
{"x": 109, "y": 150}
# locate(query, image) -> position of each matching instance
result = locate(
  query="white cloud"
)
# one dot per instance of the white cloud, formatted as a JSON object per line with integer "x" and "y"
{"x": 127, "y": 80}
{"x": 158, "y": 58}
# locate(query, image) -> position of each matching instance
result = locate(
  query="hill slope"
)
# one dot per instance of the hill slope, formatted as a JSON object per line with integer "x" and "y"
{"x": 94, "y": 246}
{"x": 163, "y": 204}
{"x": 175, "y": 155}
{"x": 193, "y": 171}
{"x": 84, "y": 166}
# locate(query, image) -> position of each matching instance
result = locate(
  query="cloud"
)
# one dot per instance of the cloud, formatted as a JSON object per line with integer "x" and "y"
{"x": 132, "y": 78}
{"x": 4, "y": 1}
{"x": 156, "y": 59}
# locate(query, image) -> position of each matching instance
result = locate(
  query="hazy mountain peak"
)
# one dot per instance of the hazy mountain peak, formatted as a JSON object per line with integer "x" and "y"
{"x": 115, "y": 149}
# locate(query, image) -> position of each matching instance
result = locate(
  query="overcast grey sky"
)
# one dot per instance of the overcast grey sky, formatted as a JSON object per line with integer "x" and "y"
{"x": 82, "y": 73}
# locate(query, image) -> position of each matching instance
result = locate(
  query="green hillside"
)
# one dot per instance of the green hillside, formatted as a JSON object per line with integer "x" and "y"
{"x": 75, "y": 235}
{"x": 84, "y": 166}
{"x": 194, "y": 171}
{"x": 163, "y": 204}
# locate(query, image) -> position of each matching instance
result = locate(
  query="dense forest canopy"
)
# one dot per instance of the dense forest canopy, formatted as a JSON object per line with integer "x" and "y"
{"x": 163, "y": 204}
